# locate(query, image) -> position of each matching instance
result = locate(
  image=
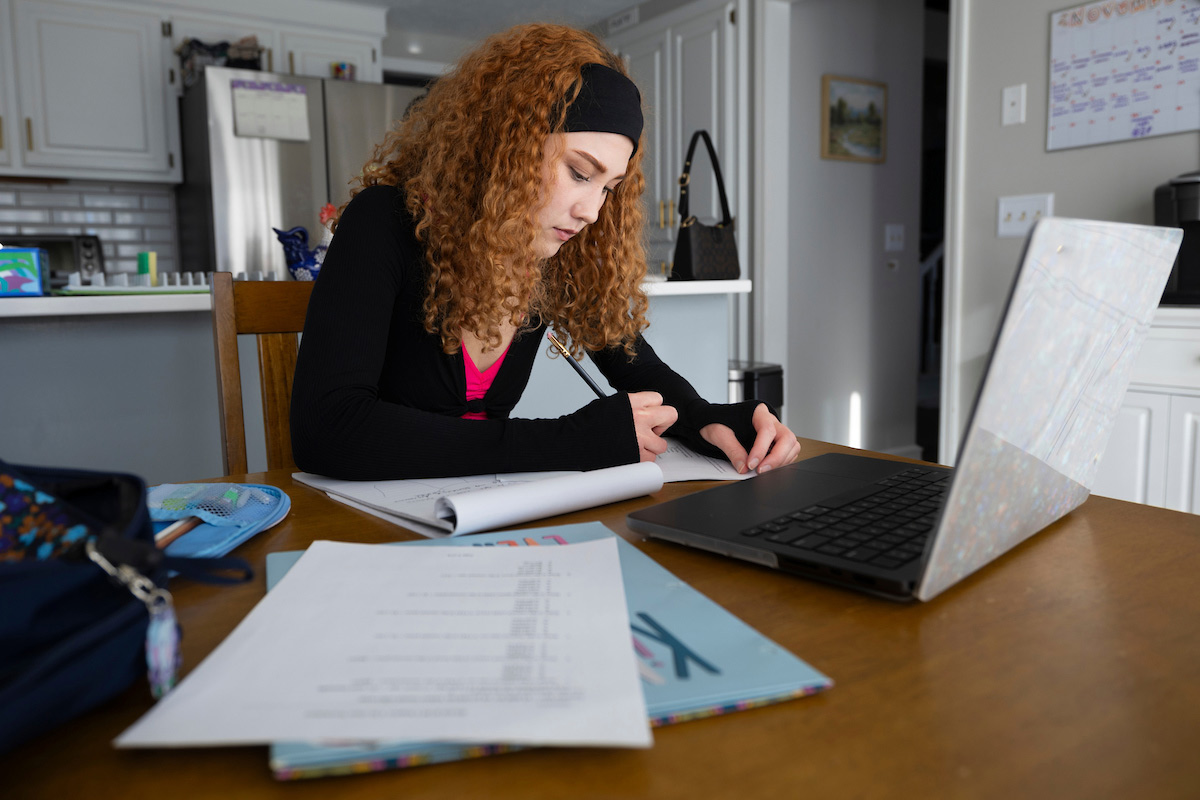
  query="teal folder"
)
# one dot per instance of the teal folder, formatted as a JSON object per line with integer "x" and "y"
{"x": 697, "y": 659}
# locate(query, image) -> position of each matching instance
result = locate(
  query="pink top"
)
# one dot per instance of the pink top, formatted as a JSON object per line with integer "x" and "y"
{"x": 479, "y": 382}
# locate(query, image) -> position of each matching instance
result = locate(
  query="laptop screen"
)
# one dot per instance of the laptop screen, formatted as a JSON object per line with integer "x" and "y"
{"x": 1081, "y": 304}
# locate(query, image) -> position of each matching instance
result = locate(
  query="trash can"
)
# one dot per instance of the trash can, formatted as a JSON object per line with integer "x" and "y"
{"x": 754, "y": 380}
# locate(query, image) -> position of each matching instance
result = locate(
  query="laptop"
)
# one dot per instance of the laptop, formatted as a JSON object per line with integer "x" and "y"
{"x": 1082, "y": 301}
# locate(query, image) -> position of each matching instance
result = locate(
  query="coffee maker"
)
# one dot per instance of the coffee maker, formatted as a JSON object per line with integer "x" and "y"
{"x": 1177, "y": 205}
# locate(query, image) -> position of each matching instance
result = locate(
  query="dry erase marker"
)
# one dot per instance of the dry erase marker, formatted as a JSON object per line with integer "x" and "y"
{"x": 575, "y": 364}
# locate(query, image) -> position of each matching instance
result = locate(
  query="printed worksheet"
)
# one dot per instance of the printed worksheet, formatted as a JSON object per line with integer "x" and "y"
{"x": 454, "y": 644}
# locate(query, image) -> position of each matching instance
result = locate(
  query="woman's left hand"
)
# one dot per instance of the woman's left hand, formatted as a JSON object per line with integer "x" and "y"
{"x": 774, "y": 444}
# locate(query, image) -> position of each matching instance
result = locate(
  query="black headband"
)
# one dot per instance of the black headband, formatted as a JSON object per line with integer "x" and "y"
{"x": 608, "y": 102}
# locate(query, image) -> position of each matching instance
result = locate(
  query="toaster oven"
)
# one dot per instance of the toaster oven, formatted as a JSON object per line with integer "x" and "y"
{"x": 67, "y": 253}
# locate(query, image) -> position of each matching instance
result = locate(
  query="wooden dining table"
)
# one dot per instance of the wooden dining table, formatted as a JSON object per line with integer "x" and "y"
{"x": 1067, "y": 668}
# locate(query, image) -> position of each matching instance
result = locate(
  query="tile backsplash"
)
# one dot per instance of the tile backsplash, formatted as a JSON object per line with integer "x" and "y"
{"x": 129, "y": 218}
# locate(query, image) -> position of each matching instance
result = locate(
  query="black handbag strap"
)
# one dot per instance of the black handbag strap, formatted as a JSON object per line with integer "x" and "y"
{"x": 686, "y": 176}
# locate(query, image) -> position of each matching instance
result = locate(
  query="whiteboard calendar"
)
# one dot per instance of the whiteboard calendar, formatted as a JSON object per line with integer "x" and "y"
{"x": 1123, "y": 69}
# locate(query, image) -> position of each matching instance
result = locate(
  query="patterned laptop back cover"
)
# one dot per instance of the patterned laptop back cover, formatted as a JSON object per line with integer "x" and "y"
{"x": 1081, "y": 305}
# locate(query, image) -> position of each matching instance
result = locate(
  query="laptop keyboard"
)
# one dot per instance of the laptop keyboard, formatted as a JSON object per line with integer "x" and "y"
{"x": 887, "y": 525}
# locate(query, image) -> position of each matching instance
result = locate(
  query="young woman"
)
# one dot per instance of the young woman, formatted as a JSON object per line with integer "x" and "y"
{"x": 507, "y": 201}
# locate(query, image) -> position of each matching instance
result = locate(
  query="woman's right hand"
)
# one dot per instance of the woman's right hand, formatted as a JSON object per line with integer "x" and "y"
{"x": 650, "y": 420}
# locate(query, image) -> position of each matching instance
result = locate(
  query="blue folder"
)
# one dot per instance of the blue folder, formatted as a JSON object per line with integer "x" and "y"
{"x": 697, "y": 659}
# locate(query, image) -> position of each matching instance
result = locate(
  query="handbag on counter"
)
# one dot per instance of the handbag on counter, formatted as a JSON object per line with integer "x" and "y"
{"x": 704, "y": 252}
{"x": 84, "y": 608}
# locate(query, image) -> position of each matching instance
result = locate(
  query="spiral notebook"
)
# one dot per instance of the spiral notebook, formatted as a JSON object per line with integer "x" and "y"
{"x": 696, "y": 659}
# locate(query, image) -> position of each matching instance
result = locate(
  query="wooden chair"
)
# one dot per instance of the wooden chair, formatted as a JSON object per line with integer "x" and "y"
{"x": 274, "y": 311}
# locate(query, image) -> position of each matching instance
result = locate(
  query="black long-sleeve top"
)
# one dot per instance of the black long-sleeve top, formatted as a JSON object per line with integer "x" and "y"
{"x": 375, "y": 397}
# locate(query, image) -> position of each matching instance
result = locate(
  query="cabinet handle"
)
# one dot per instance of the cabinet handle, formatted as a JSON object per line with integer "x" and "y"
{"x": 270, "y": 60}
{"x": 660, "y": 214}
{"x": 671, "y": 216}
{"x": 1, "y": 132}
{"x": 291, "y": 62}
{"x": 29, "y": 132}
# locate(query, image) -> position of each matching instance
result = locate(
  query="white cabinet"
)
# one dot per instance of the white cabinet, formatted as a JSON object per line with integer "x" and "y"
{"x": 88, "y": 88}
{"x": 92, "y": 97}
{"x": 686, "y": 65}
{"x": 314, "y": 55}
{"x": 1135, "y": 466}
{"x": 1183, "y": 455}
{"x": 214, "y": 28}
{"x": 8, "y": 89}
{"x": 646, "y": 59}
{"x": 287, "y": 50}
{"x": 1153, "y": 456}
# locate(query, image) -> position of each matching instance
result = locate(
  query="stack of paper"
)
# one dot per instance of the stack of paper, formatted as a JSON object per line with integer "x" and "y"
{"x": 420, "y": 653}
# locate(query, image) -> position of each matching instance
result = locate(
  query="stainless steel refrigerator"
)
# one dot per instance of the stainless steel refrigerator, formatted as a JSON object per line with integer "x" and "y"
{"x": 240, "y": 181}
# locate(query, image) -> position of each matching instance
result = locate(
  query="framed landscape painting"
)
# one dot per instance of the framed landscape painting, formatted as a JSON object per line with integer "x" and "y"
{"x": 854, "y": 119}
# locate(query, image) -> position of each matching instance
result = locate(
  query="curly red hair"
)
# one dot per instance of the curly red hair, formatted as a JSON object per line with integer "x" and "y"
{"x": 469, "y": 157}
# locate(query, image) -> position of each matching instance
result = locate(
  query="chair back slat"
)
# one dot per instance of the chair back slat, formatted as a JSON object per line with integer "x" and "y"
{"x": 274, "y": 311}
{"x": 271, "y": 306}
{"x": 276, "y": 366}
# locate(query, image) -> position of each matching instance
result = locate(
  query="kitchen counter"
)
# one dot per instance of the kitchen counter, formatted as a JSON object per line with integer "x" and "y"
{"x": 681, "y": 288}
{"x": 128, "y": 382}
{"x": 123, "y": 383}
{"x": 1177, "y": 317}
{"x": 12, "y": 307}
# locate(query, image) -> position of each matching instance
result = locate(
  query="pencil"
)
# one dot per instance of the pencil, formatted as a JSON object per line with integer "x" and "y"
{"x": 575, "y": 365}
{"x": 174, "y": 531}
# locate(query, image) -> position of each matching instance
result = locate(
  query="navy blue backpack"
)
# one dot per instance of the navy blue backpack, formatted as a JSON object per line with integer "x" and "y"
{"x": 79, "y": 573}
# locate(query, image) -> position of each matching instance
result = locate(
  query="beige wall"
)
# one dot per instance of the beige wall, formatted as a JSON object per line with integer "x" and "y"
{"x": 1004, "y": 44}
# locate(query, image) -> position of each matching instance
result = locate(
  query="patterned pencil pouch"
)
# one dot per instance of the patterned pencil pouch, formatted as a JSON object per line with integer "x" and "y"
{"x": 228, "y": 513}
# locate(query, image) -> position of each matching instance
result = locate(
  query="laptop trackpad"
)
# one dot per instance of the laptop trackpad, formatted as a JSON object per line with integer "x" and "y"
{"x": 740, "y": 505}
{"x": 786, "y": 490}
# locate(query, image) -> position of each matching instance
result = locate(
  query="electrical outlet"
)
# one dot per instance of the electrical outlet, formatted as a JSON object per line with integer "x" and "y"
{"x": 1017, "y": 214}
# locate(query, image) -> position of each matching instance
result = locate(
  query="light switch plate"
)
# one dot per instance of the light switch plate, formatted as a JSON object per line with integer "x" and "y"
{"x": 1013, "y": 105}
{"x": 893, "y": 238}
{"x": 1017, "y": 214}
